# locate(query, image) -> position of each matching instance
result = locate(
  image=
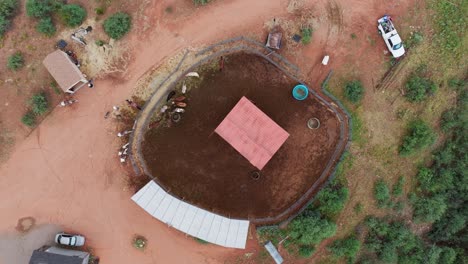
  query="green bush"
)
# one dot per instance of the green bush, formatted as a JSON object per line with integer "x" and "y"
{"x": 8, "y": 8}
{"x": 429, "y": 209}
{"x": 415, "y": 39}
{"x": 418, "y": 88}
{"x": 381, "y": 193}
{"x": 306, "y": 35}
{"x": 15, "y": 61}
{"x": 448, "y": 256}
{"x": 306, "y": 251}
{"x": 100, "y": 43}
{"x": 73, "y": 15}
{"x": 117, "y": 25}
{"x": 201, "y": 2}
{"x": 4, "y": 25}
{"x": 332, "y": 199}
{"x": 398, "y": 187}
{"x": 100, "y": 10}
{"x": 29, "y": 119}
{"x": 347, "y": 247}
{"x": 354, "y": 91}
{"x": 46, "y": 27}
{"x": 39, "y": 103}
{"x": 40, "y": 8}
{"x": 419, "y": 136}
{"x": 309, "y": 230}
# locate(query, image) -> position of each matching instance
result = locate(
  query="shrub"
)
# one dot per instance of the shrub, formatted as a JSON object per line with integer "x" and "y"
{"x": 332, "y": 199}
{"x": 398, "y": 187}
{"x": 46, "y": 26}
{"x": 15, "y": 61}
{"x": 100, "y": 43}
{"x": 100, "y": 10}
{"x": 433, "y": 255}
{"x": 381, "y": 193}
{"x": 306, "y": 251}
{"x": 4, "y": 25}
{"x": 419, "y": 136}
{"x": 139, "y": 242}
{"x": 418, "y": 88}
{"x": 201, "y": 2}
{"x": 347, "y": 247}
{"x": 448, "y": 256}
{"x": 429, "y": 209}
{"x": 29, "y": 119}
{"x": 354, "y": 91}
{"x": 308, "y": 230}
{"x": 306, "y": 35}
{"x": 117, "y": 25}
{"x": 415, "y": 39}
{"x": 39, "y": 8}
{"x": 39, "y": 103}
{"x": 8, "y": 8}
{"x": 73, "y": 15}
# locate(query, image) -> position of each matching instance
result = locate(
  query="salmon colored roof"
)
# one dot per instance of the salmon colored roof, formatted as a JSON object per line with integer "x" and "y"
{"x": 252, "y": 133}
{"x": 64, "y": 71}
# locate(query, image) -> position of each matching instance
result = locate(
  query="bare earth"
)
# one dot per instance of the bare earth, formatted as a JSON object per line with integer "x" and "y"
{"x": 66, "y": 171}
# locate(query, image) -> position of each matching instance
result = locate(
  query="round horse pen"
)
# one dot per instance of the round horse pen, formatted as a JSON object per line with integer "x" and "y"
{"x": 190, "y": 158}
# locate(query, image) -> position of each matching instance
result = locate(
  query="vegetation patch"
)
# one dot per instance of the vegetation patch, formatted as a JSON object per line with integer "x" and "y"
{"x": 306, "y": 34}
{"x": 354, "y": 91}
{"x": 72, "y": 15}
{"x": 15, "y": 61}
{"x": 39, "y": 103}
{"x": 332, "y": 199}
{"x": 8, "y": 9}
{"x": 46, "y": 26}
{"x": 139, "y": 242}
{"x": 347, "y": 248}
{"x": 29, "y": 119}
{"x": 117, "y": 25}
{"x": 418, "y": 88}
{"x": 382, "y": 193}
{"x": 201, "y": 2}
{"x": 419, "y": 136}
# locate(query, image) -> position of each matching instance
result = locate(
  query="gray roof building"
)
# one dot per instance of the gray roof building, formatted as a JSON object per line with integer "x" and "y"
{"x": 53, "y": 255}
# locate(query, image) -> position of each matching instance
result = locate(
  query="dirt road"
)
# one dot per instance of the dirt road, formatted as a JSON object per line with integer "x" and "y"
{"x": 67, "y": 173}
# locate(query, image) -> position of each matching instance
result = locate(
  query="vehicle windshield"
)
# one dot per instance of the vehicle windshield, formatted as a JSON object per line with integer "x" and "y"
{"x": 397, "y": 46}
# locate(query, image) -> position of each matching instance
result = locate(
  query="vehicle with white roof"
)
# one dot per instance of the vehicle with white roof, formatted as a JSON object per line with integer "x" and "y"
{"x": 390, "y": 36}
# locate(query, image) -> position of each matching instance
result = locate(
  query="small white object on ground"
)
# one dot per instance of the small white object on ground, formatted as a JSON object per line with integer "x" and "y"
{"x": 192, "y": 74}
{"x": 179, "y": 110}
{"x": 164, "y": 108}
{"x": 325, "y": 60}
{"x": 184, "y": 89}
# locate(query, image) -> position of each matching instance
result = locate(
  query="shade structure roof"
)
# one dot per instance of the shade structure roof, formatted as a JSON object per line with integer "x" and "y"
{"x": 64, "y": 71}
{"x": 252, "y": 133}
{"x": 190, "y": 219}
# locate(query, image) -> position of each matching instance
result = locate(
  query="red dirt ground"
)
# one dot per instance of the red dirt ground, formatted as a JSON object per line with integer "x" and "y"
{"x": 66, "y": 172}
{"x": 196, "y": 164}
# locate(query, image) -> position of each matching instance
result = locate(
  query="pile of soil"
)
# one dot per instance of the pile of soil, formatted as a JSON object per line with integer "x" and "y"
{"x": 197, "y": 165}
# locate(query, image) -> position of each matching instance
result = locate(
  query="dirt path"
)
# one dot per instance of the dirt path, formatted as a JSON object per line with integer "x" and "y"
{"x": 66, "y": 172}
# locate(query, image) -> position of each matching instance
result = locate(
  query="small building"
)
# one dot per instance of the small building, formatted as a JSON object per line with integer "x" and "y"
{"x": 67, "y": 75}
{"x": 54, "y": 255}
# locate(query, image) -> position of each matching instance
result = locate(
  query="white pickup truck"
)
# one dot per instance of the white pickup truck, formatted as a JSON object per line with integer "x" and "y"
{"x": 390, "y": 36}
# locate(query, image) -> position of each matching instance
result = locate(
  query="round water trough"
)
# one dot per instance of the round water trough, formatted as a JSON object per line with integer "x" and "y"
{"x": 300, "y": 92}
{"x": 313, "y": 123}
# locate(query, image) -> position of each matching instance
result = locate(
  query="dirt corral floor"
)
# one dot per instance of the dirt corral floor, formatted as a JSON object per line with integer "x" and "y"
{"x": 197, "y": 165}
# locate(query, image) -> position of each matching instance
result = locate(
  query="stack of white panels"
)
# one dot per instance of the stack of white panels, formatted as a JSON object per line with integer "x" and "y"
{"x": 190, "y": 219}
